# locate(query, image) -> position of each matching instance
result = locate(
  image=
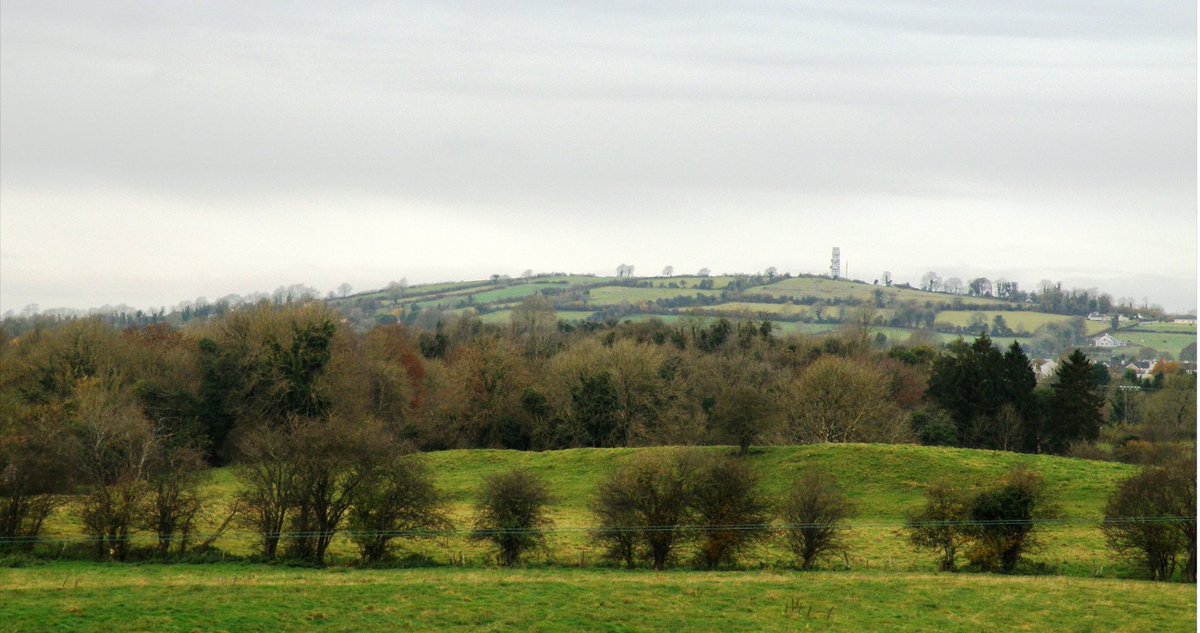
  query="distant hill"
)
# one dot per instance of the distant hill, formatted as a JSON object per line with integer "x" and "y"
{"x": 806, "y": 304}
{"x": 1046, "y": 322}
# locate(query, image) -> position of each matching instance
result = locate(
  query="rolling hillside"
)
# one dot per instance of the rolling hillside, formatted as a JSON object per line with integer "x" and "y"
{"x": 798, "y": 305}
{"x": 450, "y": 583}
{"x": 885, "y": 482}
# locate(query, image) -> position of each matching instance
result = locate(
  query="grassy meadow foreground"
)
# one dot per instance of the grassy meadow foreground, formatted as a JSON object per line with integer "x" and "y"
{"x": 451, "y": 583}
{"x": 231, "y": 597}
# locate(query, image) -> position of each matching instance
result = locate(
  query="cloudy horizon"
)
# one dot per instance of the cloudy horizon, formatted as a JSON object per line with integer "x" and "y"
{"x": 151, "y": 154}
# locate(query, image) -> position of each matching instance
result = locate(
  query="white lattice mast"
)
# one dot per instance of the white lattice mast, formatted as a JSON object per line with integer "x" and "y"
{"x": 835, "y": 263}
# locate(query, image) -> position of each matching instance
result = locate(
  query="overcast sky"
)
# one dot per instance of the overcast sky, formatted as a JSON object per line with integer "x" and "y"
{"x": 154, "y": 152}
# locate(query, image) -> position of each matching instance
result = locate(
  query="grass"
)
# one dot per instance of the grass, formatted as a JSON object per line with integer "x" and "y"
{"x": 836, "y": 290}
{"x": 885, "y": 482}
{"x": 513, "y": 292}
{"x": 786, "y": 310}
{"x": 794, "y": 311}
{"x": 899, "y": 335}
{"x": 1016, "y": 319}
{"x": 223, "y": 597}
{"x": 1171, "y": 343}
{"x": 615, "y": 295}
{"x": 718, "y": 282}
{"x": 1173, "y": 328}
{"x": 505, "y": 316}
{"x": 888, "y": 586}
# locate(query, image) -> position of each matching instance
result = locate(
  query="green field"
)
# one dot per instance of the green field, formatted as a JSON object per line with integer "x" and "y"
{"x": 899, "y": 335}
{"x": 425, "y": 289}
{"x": 230, "y": 597}
{"x": 505, "y": 316}
{"x": 783, "y": 328}
{"x": 480, "y": 296}
{"x": 1171, "y": 343}
{"x": 719, "y": 282}
{"x": 1017, "y": 320}
{"x": 452, "y": 583}
{"x": 885, "y": 482}
{"x": 616, "y": 295}
{"x": 601, "y": 292}
{"x": 784, "y": 310}
{"x": 793, "y": 311}
{"x": 1172, "y": 328}
{"x": 834, "y": 290}
{"x": 513, "y": 292}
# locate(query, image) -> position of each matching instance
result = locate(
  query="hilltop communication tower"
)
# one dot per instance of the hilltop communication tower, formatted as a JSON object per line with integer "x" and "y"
{"x": 835, "y": 263}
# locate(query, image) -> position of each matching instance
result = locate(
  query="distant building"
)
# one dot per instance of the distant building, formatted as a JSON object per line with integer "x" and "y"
{"x": 1188, "y": 320}
{"x": 1142, "y": 368}
{"x": 1106, "y": 341}
{"x": 1044, "y": 368}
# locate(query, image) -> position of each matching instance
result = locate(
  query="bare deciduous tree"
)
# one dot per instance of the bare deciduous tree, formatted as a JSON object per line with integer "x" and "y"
{"x": 814, "y": 514}
{"x": 841, "y": 400}
{"x": 1151, "y": 518}
{"x": 729, "y": 510}
{"x": 939, "y": 526}
{"x": 174, "y": 499}
{"x": 397, "y": 501}
{"x": 511, "y": 513}
{"x": 35, "y": 470}
{"x": 116, "y": 447}
{"x": 331, "y": 460}
{"x": 1003, "y": 520}
{"x": 266, "y": 468}
{"x": 651, "y": 494}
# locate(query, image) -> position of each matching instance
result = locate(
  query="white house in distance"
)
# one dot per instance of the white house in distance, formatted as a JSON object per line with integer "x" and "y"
{"x": 1107, "y": 340}
{"x": 1044, "y": 368}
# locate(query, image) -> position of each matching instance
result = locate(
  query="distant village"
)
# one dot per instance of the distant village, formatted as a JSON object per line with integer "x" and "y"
{"x": 1108, "y": 348}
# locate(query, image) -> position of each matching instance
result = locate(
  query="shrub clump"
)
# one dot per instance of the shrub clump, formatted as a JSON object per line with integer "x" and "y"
{"x": 396, "y": 501}
{"x": 814, "y": 513}
{"x": 939, "y": 526}
{"x": 512, "y": 513}
{"x": 995, "y": 527}
{"x": 1151, "y": 518}
{"x": 645, "y": 506}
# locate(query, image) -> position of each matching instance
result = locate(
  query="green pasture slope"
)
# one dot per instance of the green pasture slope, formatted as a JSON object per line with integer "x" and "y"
{"x": 1170, "y": 342}
{"x": 1171, "y": 328}
{"x": 1016, "y": 319}
{"x": 882, "y": 583}
{"x": 885, "y": 482}
{"x": 616, "y": 295}
{"x": 505, "y": 316}
{"x": 231, "y": 597}
{"x": 839, "y": 289}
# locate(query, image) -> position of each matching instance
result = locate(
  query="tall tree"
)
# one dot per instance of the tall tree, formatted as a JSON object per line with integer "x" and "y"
{"x": 975, "y": 382}
{"x": 1075, "y": 408}
{"x": 597, "y": 409}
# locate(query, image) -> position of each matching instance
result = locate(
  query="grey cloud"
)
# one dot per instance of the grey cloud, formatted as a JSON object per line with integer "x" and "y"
{"x": 558, "y": 110}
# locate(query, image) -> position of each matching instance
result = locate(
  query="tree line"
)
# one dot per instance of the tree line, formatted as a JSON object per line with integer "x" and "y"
{"x": 307, "y": 484}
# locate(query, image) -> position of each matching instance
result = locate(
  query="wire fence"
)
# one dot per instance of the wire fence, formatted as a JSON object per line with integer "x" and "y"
{"x": 882, "y": 525}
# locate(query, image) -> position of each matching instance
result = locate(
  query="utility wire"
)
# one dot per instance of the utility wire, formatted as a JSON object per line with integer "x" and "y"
{"x": 242, "y": 535}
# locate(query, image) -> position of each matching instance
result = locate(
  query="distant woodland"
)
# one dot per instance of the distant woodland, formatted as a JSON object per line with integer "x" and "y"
{"x": 539, "y": 382}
